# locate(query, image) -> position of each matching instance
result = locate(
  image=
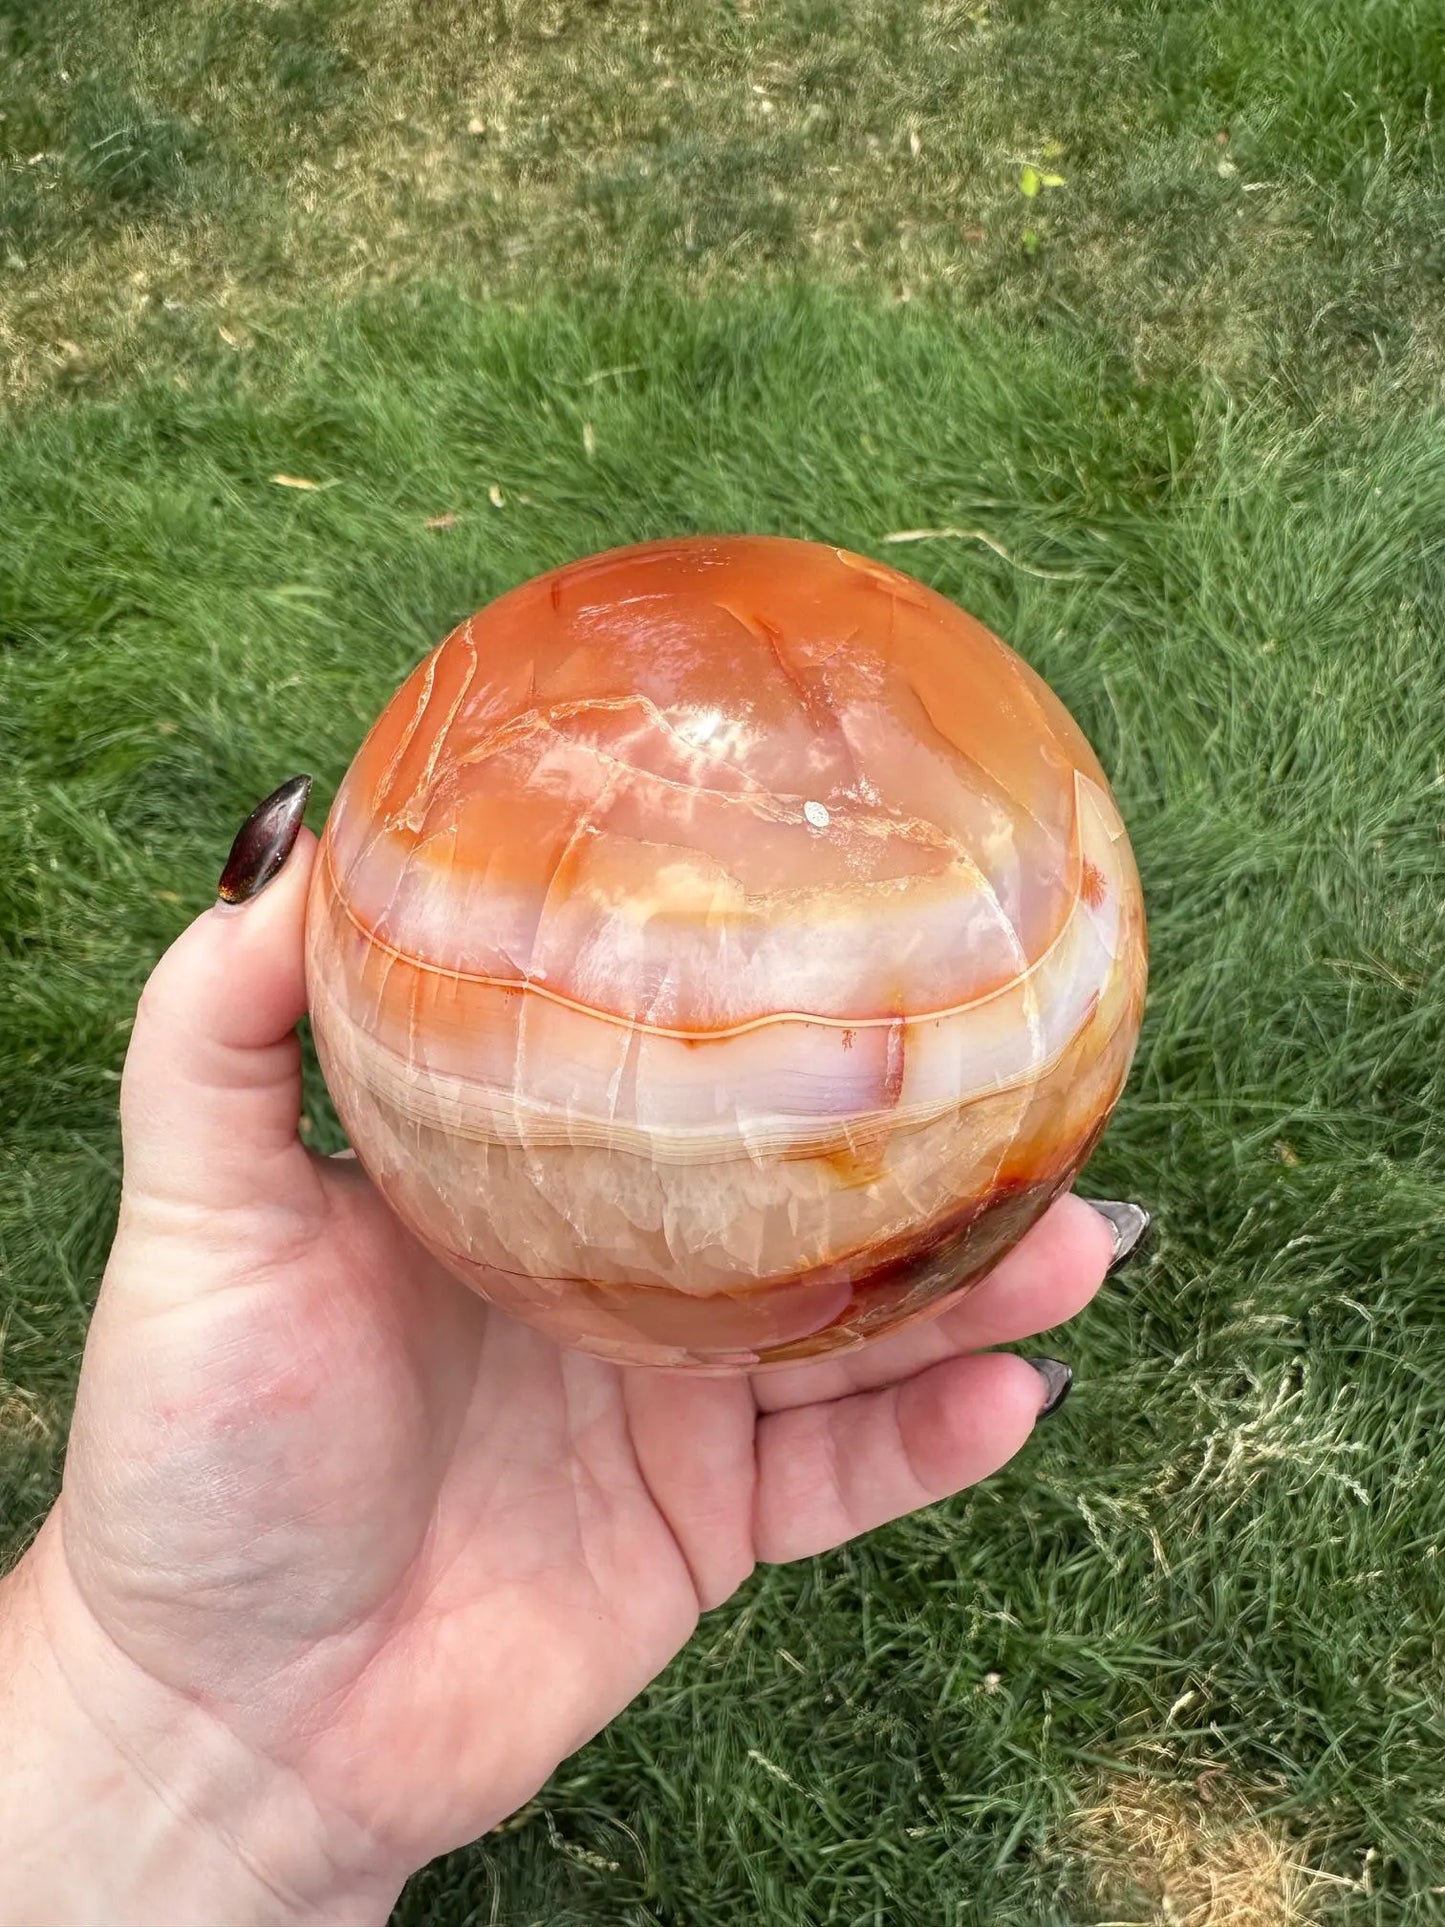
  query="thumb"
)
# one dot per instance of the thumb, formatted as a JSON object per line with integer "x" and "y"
{"x": 211, "y": 1095}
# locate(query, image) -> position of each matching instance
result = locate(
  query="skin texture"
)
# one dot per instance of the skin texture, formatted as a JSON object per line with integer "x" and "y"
{"x": 345, "y": 1561}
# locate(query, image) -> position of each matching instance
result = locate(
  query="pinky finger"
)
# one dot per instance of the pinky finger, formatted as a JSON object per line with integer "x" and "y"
{"x": 828, "y": 1472}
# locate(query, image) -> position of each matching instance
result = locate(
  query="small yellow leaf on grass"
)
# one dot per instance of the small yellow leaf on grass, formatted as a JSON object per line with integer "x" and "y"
{"x": 299, "y": 481}
{"x": 589, "y": 440}
{"x": 441, "y": 521}
{"x": 1030, "y": 181}
{"x": 496, "y": 497}
{"x": 476, "y": 126}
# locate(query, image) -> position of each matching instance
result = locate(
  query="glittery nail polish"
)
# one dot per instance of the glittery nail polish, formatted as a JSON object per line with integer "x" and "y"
{"x": 1058, "y": 1383}
{"x": 264, "y": 841}
{"x": 1128, "y": 1223}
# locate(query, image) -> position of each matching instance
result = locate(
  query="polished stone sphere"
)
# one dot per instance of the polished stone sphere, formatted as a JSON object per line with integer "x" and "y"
{"x": 721, "y": 951}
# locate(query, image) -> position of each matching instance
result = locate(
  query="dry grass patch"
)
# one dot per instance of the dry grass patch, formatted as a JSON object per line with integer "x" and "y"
{"x": 23, "y": 1419}
{"x": 236, "y": 158}
{"x": 1197, "y": 1856}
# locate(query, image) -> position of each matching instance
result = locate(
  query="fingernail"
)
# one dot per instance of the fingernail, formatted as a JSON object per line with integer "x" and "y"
{"x": 1128, "y": 1222}
{"x": 264, "y": 841}
{"x": 1058, "y": 1383}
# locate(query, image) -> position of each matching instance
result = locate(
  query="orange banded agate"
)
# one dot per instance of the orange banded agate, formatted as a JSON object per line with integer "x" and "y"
{"x": 720, "y": 951}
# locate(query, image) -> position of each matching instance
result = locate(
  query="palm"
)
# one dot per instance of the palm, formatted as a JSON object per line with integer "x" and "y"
{"x": 461, "y": 1548}
{"x": 416, "y": 1512}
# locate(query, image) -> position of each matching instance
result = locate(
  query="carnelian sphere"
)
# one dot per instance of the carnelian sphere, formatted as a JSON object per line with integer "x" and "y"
{"x": 721, "y": 951}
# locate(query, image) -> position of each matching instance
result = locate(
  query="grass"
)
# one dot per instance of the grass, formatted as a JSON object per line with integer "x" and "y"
{"x": 1244, "y": 191}
{"x": 1182, "y": 1662}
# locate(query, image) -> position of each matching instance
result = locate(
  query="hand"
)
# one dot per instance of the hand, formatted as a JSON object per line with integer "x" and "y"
{"x": 346, "y": 1562}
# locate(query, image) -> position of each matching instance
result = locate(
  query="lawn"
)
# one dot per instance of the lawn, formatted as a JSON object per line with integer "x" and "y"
{"x": 512, "y": 282}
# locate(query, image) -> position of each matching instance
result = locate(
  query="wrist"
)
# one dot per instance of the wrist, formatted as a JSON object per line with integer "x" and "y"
{"x": 123, "y": 1801}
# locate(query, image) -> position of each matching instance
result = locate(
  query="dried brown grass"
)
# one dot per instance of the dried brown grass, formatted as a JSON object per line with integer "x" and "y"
{"x": 506, "y": 146}
{"x": 1164, "y": 1854}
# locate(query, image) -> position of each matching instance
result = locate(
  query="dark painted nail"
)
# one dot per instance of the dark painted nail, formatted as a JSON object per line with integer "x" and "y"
{"x": 264, "y": 841}
{"x": 1058, "y": 1383}
{"x": 1128, "y": 1222}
